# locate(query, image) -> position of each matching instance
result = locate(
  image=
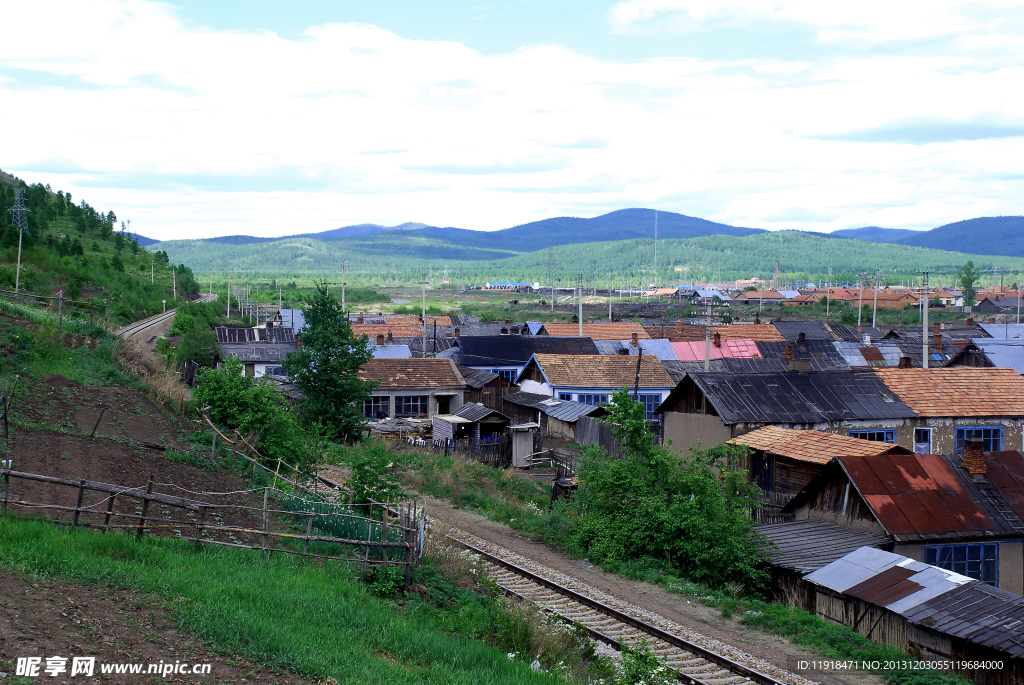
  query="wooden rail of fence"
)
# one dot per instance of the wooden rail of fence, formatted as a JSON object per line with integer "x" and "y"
{"x": 406, "y": 521}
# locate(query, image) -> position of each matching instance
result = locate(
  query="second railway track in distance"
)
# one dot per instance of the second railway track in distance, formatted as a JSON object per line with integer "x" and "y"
{"x": 695, "y": 663}
{"x": 137, "y": 327}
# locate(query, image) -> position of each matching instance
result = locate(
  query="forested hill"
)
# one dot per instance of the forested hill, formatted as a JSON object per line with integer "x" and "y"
{"x": 989, "y": 235}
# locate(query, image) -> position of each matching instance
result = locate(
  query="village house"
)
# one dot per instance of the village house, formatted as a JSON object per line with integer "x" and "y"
{"x": 556, "y": 418}
{"x": 766, "y": 297}
{"x": 591, "y": 379}
{"x": 261, "y": 350}
{"x": 998, "y": 304}
{"x": 413, "y": 388}
{"x": 485, "y": 387}
{"x": 507, "y": 355}
{"x": 618, "y": 330}
{"x": 706, "y": 409}
{"x": 961, "y": 514}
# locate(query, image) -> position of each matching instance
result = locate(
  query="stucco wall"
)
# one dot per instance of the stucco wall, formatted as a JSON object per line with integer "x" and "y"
{"x": 694, "y": 430}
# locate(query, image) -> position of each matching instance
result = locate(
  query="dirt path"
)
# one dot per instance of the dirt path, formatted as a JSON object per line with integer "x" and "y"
{"x": 44, "y": 618}
{"x": 653, "y": 598}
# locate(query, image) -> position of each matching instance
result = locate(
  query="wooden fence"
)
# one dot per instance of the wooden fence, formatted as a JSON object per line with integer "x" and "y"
{"x": 394, "y": 542}
{"x": 770, "y": 510}
{"x": 591, "y": 431}
{"x": 497, "y": 453}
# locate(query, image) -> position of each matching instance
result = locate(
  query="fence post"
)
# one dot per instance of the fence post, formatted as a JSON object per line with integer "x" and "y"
{"x": 60, "y": 308}
{"x": 110, "y": 512}
{"x": 309, "y": 530}
{"x": 106, "y": 319}
{"x": 92, "y": 315}
{"x": 366, "y": 558}
{"x": 384, "y": 532}
{"x": 277, "y": 472}
{"x": 78, "y": 505}
{"x": 145, "y": 507}
{"x": 199, "y": 527}
{"x": 98, "y": 419}
{"x": 213, "y": 448}
{"x": 266, "y": 519}
{"x": 7, "y": 393}
{"x": 7, "y": 486}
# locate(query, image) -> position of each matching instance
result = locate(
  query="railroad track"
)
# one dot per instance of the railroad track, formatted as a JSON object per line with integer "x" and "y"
{"x": 696, "y": 664}
{"x": 139, "y": 326}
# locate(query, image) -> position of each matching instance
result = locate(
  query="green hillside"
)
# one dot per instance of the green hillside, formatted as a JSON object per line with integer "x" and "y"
{"x": 399, "y": 257}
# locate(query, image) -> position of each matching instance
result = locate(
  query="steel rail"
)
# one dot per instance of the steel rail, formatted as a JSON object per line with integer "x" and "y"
{"x": 137, "y": 327}
{"x": 674, "y": 640}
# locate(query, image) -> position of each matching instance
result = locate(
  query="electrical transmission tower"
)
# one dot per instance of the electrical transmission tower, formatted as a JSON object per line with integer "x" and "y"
{"x": 21, "y": 221}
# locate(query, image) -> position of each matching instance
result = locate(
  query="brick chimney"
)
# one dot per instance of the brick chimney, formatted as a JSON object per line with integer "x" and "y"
{"x": 390, "y": 338}
{"x": 718, "y": 339}
{"x": 508, "y": 320}
{"x": 590, "y": 319}
{"x": 974, "y": 459}
{"x": 860, "y": 330}
{"x": 515, "y": 330}
{"x": 937, "y": 336}
{"x": 991, "y": 319}
{"x": 575, "y": 319}
{"x": 458, "y": 331}
{"x": 788, "y": 353}
{"x": 970, "y": 322}
{"x": 360, "y": 319}
{"x": 634, "y": 342}
{"x": 801, "y": 340}
{"x": 447, "y": 334}
{"x": 905, "y": 363}
{"x": 679, "y": 326}
{"x": 380, "y": 338}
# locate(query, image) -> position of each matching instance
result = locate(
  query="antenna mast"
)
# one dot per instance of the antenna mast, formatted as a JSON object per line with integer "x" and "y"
{"x": 21, "y": 221}
{"x": 656, "y": 252}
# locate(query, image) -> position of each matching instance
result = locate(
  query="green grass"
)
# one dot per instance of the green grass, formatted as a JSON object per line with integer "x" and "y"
{"x": 319, "y": 621}
{"x": 522, "y": 504}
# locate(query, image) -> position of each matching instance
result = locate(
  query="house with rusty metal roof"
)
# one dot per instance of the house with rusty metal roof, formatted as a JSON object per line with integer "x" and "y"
{"x": 606, "y": 330}
{"x": 821, "y": 354}
{"x": 962, "y": 514}
{"x": 591, "y": 379}
{"x": 412, "y": 388}
{"x": 954, "y": 404}
{"x": 783, "y": 461}
{"x": 710, "y": 408}
{"x": 934, "y": 612}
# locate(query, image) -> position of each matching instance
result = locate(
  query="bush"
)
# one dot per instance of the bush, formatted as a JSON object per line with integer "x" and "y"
{"x": 657, "y": 504}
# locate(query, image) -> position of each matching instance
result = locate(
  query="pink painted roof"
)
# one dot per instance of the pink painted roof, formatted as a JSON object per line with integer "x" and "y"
{"x": 693, "y": 351}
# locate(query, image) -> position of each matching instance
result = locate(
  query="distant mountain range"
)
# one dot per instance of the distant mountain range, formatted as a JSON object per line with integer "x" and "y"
{"x": 1002, "y": 236}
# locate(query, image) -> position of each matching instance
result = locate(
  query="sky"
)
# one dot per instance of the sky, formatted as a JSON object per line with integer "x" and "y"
{"x": 195, "y": 119}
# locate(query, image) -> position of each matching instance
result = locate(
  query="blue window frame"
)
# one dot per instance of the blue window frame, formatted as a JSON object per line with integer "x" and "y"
{"x": 923, "y": 440}
{"x": 877, "y": 436}
{"x": 567, "y": 396}
{"x": 992, "y": 436}
{"x": 507, "y": 374}
{"x": 980, "y": 562}
{"x": 593, "y": 399}
{"x": 650, "y": 403}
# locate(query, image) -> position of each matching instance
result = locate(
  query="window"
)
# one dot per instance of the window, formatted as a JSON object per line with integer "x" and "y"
{"x": 412, "y": 406}
{"x": 507, "y": 374}
{"x": 992, "y": 436}
{"x": 650, "y": 403}
{"x": 567, "y": 396}
{"x": 980, "y": 562}
{"x": 593, "y": 400}
{"x": 276, "y": 371}
{"x": 922, "y": 440}
{"x": 877, "y": 436}
{"x": 376, "y": 407}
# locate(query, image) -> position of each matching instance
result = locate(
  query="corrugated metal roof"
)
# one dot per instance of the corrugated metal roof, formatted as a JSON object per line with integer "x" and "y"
{"x": 474, "y": 411}
{"x": 800, "y": 398}
{"x": 691, "y": 351}
{"x": 890, "y": 580}
{"x": 1002, "y": 330}
{"x": 1007, "y": 353}
{"x": 390, "y": 351}
{"x": 258, "y": 353}
{"x": 821, "y": 353}
{"x": 848, "y": 334}
{"x": 244, "y": 335}
{"x": 975, "y": 612}
{"x": 662, "y": 348}
{"x": 1005, "y": 471}
{"x": 812, "y": 330}
{"x": 476, "y": 378}
{"x": 563, "y": 410}
{"x": 516, "y": 350}
{"x": 916, "y": 496}
{"x": 807, "y": 545}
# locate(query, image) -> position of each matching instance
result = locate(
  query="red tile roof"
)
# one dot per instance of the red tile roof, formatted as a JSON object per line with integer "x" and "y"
{"x": 957, "y": 391}
{"x": 412, "y": 373}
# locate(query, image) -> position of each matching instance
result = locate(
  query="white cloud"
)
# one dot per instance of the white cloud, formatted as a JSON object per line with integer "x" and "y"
{"x": 193, "y": 132}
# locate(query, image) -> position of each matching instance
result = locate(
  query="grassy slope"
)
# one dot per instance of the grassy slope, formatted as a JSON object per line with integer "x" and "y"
{"x": 315, "y": 620}
{"x": 399, "y": 256}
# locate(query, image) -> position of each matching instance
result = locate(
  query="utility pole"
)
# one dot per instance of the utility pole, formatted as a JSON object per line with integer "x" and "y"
{"x": 211, "y": 283}
{"x": 423, "y": 283}
{"x": 610, "y": 285}
{"x": 636, "y": 383}
{"x": 656, "y": 252}
{"x": 924, "y": 320}
{"x": 280, "y": 300}
{"x": 343, "y": 265}
{"x": 874, "y": 309}
{"x": 152, "y": 271}
{"x": 174, "y": 282}
{"x": 229, "y": 297}
{"x": 579, "y": 299}
{"x": 21, "y": 221}
{"x": 860, "y": 307}
{"x": 707, "y": 337}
